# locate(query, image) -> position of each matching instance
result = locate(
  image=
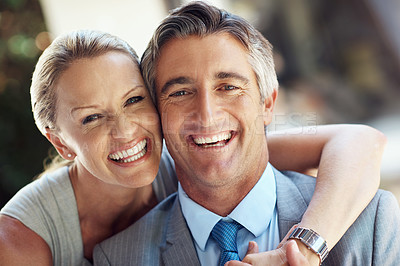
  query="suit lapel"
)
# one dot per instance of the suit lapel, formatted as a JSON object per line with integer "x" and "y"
{"x": 290, "y": 203}
{"x": 179, "y": 247}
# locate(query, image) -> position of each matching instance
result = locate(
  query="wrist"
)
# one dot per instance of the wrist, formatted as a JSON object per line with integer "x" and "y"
{"x": 312, "y": 241}
{"x": 315, "y": 224}
{"x": 312, "y": 257}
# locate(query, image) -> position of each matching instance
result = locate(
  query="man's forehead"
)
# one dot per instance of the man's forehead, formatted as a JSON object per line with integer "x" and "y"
{"x": 209, "y": 50}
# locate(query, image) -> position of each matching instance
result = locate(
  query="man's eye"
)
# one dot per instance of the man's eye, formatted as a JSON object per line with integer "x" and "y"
{"x": 133, "y": 100}
{"x": 178, "y": 93}
{"x": 229, "y": 87}
{"x": 91, "y": 118}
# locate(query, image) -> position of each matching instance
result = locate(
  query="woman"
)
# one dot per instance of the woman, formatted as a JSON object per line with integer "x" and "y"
{"x": 89, "y": 100}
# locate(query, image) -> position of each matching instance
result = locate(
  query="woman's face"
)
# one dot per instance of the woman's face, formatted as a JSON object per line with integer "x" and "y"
{"x": 106, "y": 118}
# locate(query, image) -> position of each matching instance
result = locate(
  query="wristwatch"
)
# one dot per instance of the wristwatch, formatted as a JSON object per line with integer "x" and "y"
{"x": 312, "y": 240}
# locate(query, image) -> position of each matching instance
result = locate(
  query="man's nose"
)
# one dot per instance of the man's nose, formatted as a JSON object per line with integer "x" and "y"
{"x": 207, "y": 108}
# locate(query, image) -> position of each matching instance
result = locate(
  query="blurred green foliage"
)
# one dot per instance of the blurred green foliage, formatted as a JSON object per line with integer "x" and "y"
{"x": 22, "y": 147}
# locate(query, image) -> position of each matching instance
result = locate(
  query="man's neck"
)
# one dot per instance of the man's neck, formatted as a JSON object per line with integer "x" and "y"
{"x": 223, "y": 199}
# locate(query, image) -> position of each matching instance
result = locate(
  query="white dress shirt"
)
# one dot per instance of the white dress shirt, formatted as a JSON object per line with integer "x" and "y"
{"x": 256, "y": 213}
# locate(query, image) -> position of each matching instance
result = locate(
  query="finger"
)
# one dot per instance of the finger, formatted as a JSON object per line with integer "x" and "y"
{"x": 253, "y": 248}
{"x": 272, "y": 257}
{"x": 294, "y": 256}
{"x": 287, "y": 236}
{"x": 236, "y": 263}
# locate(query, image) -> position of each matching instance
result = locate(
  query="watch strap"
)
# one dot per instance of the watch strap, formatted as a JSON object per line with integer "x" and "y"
{"x": 312, "y": 240}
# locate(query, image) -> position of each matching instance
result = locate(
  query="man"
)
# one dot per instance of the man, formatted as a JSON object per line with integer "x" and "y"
{"x": 215, "y": 90}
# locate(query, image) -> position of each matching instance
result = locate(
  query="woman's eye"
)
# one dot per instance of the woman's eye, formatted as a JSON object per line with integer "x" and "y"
{"x": 133, "y": 100}
{"x": 91, "y": 118}
{"x": 178, "y": 93}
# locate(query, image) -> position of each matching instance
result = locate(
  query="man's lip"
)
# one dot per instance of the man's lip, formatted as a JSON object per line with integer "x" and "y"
{"x": 211, "y": 140}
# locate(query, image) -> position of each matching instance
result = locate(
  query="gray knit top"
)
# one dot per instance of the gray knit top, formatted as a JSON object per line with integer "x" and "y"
{"x": 48, "y": 207}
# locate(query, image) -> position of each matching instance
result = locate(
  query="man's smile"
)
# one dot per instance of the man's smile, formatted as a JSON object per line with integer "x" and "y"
{"x": 212, "y": 140}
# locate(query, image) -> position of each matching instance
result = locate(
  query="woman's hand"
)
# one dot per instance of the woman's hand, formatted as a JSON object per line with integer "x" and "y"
{"x": 287, "y": 254}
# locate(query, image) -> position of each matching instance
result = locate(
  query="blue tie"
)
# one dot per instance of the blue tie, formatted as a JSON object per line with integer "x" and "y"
{"x": 225, "y": 234}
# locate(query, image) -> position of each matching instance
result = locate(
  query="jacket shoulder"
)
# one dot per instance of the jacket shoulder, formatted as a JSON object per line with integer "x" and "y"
{"x": 374, "y": 238}
{"x": 140, "y": 242}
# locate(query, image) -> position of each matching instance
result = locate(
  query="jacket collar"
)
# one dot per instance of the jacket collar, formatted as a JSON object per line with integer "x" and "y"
{"x": 179, "y": 246}
{"x": 291, "y": 204}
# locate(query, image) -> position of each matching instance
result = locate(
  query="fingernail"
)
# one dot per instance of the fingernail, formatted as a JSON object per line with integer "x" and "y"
{"x": 251, "y": 245}
{"x": 296, "y": 247}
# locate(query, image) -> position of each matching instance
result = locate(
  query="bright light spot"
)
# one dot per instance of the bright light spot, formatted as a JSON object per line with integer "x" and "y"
{"x": 43, "y": 40}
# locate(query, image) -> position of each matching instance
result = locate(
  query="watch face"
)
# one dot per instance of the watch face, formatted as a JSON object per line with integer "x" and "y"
{"x": 313, "y": 238}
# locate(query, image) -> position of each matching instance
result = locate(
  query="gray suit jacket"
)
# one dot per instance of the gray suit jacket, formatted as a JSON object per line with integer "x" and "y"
{"x": 163, "y": 238}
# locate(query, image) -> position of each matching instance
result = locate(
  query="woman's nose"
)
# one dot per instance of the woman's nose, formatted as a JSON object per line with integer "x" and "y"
{"x": 123, "y": 128}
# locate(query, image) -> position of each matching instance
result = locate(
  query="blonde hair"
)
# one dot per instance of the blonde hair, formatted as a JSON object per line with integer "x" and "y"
{"x": 56, "y": 59}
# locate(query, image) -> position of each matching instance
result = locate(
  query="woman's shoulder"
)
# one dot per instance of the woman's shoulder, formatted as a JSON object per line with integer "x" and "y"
{"x": 44, "y": 204}
{"x": 21, "y": 246}
{"x": 39, "y": 191}
{"x": 22, "y": 229}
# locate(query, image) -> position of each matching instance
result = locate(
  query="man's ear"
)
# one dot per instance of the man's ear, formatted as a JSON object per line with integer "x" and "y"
{"x": 269, "y": 104}
{"x": 58, "y": 143}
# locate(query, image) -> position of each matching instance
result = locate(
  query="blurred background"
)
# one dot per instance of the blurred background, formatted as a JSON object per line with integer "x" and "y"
{"x": 337, "y": 62}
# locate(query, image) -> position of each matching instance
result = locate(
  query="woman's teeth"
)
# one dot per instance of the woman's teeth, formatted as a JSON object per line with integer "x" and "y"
{"x": 130, "y": 155}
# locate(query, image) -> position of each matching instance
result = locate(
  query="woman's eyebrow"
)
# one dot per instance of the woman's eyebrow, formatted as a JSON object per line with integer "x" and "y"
{"x": 83, "y": 107}
{"x": 131, "y": 90}
{"x": 97, "y": 106}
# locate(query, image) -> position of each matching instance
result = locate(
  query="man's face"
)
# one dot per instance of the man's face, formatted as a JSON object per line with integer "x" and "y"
{"x": 211, "y": 111}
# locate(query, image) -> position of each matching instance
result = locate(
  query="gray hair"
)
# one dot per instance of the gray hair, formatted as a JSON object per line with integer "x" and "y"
{"x": 56, "y": 59}
{"x": 200, "y": 19}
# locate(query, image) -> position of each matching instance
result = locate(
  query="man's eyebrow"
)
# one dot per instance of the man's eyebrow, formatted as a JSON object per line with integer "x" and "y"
{"x": 234, "y": 75}
{"x": 178, "y": 80}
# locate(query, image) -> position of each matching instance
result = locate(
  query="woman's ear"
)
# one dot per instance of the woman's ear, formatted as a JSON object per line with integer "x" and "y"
{"x": 59, "y": 144}
{"x": 269, "y": 104}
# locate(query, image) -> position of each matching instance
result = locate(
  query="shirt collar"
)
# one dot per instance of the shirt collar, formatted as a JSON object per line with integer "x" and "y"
{"x": 254, "y": 212}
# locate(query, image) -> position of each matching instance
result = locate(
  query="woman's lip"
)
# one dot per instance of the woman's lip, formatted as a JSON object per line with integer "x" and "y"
{"x": 128, "y": 150}
{"x": 146, "y": 155}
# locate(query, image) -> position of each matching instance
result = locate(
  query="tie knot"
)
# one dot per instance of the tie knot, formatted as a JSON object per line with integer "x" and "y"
{"x": 225, "y": 234}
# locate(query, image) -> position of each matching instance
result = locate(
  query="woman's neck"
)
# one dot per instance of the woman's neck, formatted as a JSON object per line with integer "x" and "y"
{"x": 106, "y": 209}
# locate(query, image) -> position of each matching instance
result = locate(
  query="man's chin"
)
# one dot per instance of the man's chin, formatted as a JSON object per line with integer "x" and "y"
{"x": 211, "y": 174}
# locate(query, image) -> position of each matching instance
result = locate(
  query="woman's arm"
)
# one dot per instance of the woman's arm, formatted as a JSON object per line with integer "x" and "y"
{"x": 348, "y": 158}
{"x": 21, "y": 246}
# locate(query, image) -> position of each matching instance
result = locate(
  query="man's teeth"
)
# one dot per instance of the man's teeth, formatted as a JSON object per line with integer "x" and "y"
{"x": 137, "y": 151}
{"x": 213, "y": 141}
